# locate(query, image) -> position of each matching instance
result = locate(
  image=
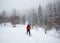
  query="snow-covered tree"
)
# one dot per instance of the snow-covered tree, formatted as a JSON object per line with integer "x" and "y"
{"x": 40, "y": 16}
{"x": 34, "y": 17}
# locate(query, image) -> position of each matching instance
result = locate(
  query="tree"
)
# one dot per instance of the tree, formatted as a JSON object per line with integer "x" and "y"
{"x": 57, "y": 15}
{"x": 14, "y": 18}
{"x": 1, "y": 19}
{"x": 49, "y": 16}
{"x": 3, "y": 16}
{"x": 34, "y": 18}
{"x": 23, "y": 19}
{"x": 40, "y": 16}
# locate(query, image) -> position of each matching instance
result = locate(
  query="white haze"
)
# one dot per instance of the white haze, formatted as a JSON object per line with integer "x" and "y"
{"x": 21, "y": 5}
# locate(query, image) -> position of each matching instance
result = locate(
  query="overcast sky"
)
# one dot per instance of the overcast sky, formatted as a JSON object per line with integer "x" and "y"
{"x": 21, "y": 4}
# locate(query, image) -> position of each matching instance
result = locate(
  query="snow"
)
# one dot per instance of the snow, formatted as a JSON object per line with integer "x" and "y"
{"x": 9, "y": 34}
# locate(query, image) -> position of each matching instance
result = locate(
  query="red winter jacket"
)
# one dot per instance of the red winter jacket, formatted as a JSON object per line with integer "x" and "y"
{"x": 28, "y": 27}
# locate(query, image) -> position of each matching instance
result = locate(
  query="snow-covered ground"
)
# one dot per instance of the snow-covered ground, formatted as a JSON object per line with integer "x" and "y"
{"x": 9, "y": 34}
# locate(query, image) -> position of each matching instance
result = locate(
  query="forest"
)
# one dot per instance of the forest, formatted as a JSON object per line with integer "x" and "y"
{"x": 46, "y": 17}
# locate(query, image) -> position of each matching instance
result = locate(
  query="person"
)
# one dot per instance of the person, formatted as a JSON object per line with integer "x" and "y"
{"x": 28, "y": 29}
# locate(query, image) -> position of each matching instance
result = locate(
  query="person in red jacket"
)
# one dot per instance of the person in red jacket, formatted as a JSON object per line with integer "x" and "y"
{"x": 28, "y": 29}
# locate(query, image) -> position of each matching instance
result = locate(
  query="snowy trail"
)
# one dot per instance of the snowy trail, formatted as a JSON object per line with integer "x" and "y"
{"x": 9, "y": 34}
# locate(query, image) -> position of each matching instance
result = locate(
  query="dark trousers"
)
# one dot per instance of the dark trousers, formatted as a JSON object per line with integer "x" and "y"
{"x": 28, "y": 31}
